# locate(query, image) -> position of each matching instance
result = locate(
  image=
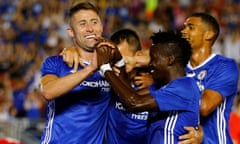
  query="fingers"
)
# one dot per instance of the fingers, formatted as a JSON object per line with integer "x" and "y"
{"x": 186, "y": 142}
{"x": 76, "y": 63}
{"x": 71, "y": 57}
{"x": 106, "y": 42}
{"x": 62, "y": 51}
{"x": 67, "y": 59}
{"x": 116, "y": 71}
{"x": 189, "y": 134}
{"x": 130, "y": 63}
{"x": 190, "y": 138}
{"x": 189, "y": 129}
{"x": 144, "y": 80}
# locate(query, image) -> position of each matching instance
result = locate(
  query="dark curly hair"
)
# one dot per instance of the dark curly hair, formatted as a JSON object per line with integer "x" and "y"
{"x": 175, "y": 45}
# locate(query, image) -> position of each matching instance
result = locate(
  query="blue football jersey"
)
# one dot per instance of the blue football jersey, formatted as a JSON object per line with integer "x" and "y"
{"x": 178, "y": 104}
{"x": 80, "y": 116}
{"x": 125, "y": 127}
{"x": 220, "y": 74}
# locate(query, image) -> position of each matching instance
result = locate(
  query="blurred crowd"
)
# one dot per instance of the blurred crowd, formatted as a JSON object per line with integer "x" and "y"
{"x": 31, "y": 30}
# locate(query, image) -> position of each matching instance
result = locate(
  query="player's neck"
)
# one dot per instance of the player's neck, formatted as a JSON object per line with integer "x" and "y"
{"x": 85, "y": 55}
{"x": 199, "y": 56}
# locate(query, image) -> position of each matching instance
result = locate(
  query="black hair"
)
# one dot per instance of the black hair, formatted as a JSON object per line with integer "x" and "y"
{"x": 210, "y": 21}
{"x": 130, "y": 36}
{"x": 174, "y": 45}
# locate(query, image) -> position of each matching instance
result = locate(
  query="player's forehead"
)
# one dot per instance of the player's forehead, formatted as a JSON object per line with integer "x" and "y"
{"x": 192, "y": 21}
{"x": 82, "y": 15}
{"x": 156, "y": 50}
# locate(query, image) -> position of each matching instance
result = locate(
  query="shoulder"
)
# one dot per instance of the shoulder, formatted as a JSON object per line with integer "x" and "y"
{"x": 221, "y": 65}
{"x": 53, "y": 60}
{"x": 52, "y": 64}
{"x": 222, "y": 60}
{"x": 185, "y": 80}
{"x": 183, "y": 85}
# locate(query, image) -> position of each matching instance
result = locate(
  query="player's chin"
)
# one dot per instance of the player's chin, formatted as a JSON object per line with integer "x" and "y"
{"x": 91, "y": 42}
{"x": 89, "y": 48}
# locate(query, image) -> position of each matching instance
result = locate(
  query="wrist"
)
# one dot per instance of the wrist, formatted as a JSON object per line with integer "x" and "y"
{"x": 104, "y": 68}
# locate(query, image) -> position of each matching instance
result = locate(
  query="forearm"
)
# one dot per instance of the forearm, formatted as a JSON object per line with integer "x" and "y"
{"x": 53, "y": 87}
{"x": 142, "y": 61}
{"x": 131, "y": 100}
{"x": 136, "y": 61}
{"x": 201, "y": 134}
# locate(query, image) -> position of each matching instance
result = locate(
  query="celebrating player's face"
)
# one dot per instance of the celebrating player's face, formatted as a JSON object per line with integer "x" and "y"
{"x": 158, "y": 64}
{"x": 194, "y": 31}
{"x": 86, "y": 28}
{"x": 124, "y": 49}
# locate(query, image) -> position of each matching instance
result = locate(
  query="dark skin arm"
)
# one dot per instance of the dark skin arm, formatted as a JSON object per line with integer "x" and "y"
{"x": 132, "y": 101}
{"x": 145, "y": 102}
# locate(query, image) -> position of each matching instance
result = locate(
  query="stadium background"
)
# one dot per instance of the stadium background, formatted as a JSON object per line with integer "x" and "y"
{"x": 31, "y": 30}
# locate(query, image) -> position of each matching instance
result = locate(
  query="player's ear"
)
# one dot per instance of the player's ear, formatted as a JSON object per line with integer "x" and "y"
{"x": 70, "y": 32}
{"x": 209, "y": 35}
{"x": 171, "y": 60}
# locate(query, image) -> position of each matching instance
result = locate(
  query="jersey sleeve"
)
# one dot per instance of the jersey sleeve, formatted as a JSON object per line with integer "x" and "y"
{"x": 225, "y": 78}
{"x": 50, "y": 65}
{"x": 176, "y": 96}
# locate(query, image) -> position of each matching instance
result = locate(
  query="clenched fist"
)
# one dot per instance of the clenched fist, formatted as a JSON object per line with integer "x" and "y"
{"x": 107, "y": 52}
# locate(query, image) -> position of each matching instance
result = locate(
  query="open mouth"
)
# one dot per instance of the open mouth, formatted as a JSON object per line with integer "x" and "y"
{"x": 185, "y": 37}
{"x": 91, "y": 37}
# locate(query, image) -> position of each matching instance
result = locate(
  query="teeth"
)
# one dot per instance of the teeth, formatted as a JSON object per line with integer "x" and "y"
{"x": 90, "y": 36}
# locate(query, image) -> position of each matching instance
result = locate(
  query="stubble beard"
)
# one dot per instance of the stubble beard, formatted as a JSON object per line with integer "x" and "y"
{"x": 85, "y": 48}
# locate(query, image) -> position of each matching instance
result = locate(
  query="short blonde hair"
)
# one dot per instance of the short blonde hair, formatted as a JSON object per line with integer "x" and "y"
{"x": 76, "y": 2}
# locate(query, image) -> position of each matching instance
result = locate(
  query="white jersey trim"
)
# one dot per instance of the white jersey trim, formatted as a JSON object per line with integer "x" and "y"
{"x": 51, "y": 114}
{"x": 169, "y": 128}
{"x": 221, "y": 123}
{"x": 203, "y": 63}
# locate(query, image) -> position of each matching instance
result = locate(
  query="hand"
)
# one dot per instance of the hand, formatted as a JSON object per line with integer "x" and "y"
{"x": 105, "y": 42}
{"x": 104, "y": 54}
{"x": 130, "y": 63}
{"x": 71, "y": 57}
{"x": 116, "y": 71}
{"x": 139, "y": 60}
{"x": 143, "y": 80}
{"x": 107, "y": 52}
{"x": 193, "y": 136}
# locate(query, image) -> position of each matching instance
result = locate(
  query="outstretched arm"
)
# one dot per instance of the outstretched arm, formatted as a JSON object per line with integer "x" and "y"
{"x": 53, "y": 86}
{"x": 132, "y": 101}
{"x": 136, "y": 61}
